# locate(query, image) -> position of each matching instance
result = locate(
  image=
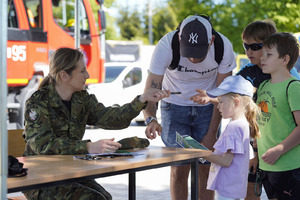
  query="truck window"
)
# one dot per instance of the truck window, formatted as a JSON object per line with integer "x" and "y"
{"x": 133, "y": 77}
{"x": 34, "y": 13}
{"x": 64, "y": 16}
{"x": 12, "y": 21}
{"x": 112, "y": 72}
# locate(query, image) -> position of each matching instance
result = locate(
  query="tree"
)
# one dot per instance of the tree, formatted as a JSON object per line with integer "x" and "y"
{"x": 130, "y": 24}
{"x": 110, "y": 21}
{"x": 230, "y": 17}
{"x": 163, "y": 21}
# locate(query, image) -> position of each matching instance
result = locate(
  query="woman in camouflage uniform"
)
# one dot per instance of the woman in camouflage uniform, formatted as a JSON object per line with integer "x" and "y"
{"x": 56, "y": 117}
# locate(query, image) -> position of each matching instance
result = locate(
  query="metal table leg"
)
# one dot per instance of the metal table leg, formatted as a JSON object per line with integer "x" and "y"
{"x": 194, "y": 179}
{"x": 132, "y": 186}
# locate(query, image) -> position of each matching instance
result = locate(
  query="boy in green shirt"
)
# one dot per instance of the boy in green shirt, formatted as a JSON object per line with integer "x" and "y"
{"x": 278, "y": 145}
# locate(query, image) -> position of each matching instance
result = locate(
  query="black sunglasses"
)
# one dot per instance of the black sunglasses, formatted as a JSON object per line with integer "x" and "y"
{"x": 253, "y": 46}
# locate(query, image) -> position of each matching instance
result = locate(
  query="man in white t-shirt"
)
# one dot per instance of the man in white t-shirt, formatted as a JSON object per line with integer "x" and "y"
{"x": 197, "y": 69}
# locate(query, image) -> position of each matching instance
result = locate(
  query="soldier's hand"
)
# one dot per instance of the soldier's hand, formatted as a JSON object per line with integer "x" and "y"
{"x": 153, "y": 129}
{"x": 154, "y": 95}
{"x": 103, "y": 146}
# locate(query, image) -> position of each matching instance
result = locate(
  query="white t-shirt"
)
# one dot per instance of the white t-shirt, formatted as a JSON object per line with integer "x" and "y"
{"x": 189, "y": 76}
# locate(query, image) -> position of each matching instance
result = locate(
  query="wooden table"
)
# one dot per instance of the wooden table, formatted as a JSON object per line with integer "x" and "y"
{"x": 47, "y": 170}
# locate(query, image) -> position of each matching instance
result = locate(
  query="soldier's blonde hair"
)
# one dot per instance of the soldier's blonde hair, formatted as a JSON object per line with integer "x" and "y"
{"x": 63, "y": 59}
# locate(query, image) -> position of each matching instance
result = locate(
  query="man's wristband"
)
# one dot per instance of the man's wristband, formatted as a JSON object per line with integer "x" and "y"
{"x": 150, "y": 119}
{"x": 254, "y": 149}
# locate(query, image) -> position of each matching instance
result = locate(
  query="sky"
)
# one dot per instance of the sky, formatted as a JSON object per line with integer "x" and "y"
{"x": 139, "y": 4}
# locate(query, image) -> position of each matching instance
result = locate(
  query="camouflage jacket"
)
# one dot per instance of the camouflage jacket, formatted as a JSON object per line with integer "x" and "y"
{"x": 51, "y": 129}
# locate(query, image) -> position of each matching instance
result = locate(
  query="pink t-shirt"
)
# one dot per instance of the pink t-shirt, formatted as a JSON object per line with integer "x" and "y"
{"x": 231, "y": 182}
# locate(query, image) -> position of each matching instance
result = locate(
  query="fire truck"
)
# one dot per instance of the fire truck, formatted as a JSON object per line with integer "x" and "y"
{"x": 36, "y": 28}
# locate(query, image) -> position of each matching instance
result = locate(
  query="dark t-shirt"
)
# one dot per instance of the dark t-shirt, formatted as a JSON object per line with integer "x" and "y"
{"x": 67, "y": 104}
{"x": 253, "y": 74}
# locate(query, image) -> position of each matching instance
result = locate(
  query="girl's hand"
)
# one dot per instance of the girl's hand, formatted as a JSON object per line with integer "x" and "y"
{"x": 202, "y": 98}
{"x": 103, "y": 146}
{"x": 271, "y": 155}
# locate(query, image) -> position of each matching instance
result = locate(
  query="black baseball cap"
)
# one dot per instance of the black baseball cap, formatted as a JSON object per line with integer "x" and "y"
{"x": 195, "y": 36}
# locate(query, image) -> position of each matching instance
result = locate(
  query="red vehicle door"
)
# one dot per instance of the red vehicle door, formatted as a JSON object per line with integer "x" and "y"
{"x": 27, "y": 43}
{"x": 61, "y": 21}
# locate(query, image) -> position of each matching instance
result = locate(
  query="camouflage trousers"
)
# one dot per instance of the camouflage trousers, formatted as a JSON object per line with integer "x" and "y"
{"x": 86, "y": 190}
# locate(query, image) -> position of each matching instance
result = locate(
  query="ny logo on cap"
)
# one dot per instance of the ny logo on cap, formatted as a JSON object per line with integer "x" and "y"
{"x": 193, "y": 38}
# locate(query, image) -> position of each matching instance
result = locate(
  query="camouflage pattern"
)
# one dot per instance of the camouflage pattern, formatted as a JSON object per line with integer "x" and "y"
{"x": 51, "y": 129}
{"x": 134, "y": 142}
{"x": 87, "y": 190}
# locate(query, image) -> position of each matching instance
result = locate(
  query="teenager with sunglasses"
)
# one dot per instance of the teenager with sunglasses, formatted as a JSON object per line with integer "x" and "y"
{"x": 253, "y": 36}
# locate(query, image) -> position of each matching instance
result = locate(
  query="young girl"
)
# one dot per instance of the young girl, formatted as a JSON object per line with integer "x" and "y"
{"x": 230, "y": 161}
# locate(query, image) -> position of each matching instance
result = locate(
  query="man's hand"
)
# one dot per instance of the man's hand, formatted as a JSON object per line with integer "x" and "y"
{"x": 153, "y": 129}
{"x": 209, "y": 140}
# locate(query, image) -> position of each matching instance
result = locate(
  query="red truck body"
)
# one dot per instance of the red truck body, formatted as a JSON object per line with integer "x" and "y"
{"x": 36, "y": 28}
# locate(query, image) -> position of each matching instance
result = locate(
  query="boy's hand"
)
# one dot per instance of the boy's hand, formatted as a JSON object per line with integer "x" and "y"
{"x": 271, "y": 155}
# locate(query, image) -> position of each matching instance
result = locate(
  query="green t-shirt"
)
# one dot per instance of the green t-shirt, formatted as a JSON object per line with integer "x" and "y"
{"x": 276, "y": 122}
